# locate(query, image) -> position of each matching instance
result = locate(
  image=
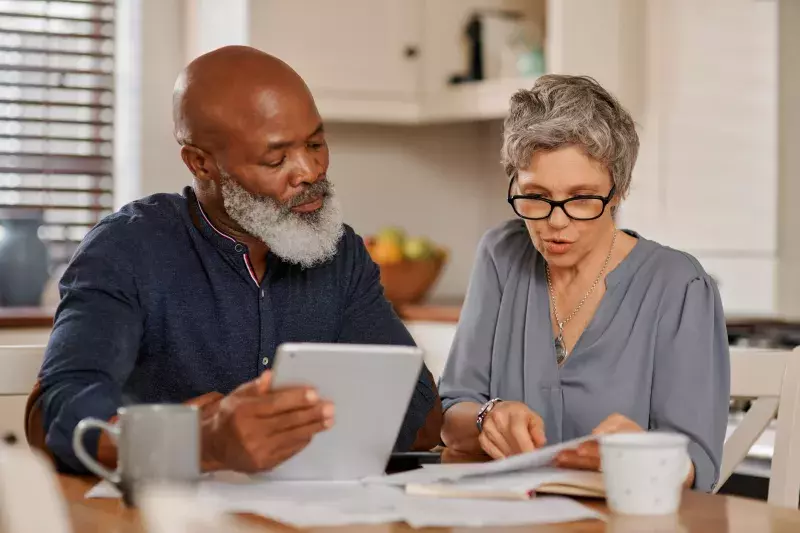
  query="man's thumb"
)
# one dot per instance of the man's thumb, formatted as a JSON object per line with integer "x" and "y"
{"x": 263, "y": 381}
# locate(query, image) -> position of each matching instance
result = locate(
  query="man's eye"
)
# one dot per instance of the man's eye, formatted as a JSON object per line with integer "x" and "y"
{"x": 277, "y": 163}
{"x": 316, "y": 146}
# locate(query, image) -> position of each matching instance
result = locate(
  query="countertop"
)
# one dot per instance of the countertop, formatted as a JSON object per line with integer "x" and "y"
{"x": 26, "y": 317}
{"x": 40, "y": 317}
{"x": 447, "y": 312}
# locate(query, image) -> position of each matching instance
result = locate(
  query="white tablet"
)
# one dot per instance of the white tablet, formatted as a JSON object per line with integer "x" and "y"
{"x": 370, "y": 386}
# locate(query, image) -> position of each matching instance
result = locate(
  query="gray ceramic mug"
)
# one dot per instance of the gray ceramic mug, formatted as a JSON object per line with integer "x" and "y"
{"x": 157, "y": 442}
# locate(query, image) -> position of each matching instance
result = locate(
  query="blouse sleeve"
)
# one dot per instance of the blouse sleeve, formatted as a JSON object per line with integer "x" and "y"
{"x": 691, "y": 377}
{"x": 466, "y": 375}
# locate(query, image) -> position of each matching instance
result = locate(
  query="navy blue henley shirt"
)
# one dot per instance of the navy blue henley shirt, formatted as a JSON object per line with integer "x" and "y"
{"x": 158, "y": 309}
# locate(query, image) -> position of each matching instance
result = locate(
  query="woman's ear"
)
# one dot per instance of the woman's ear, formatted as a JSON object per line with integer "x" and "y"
{"x": 199, "y": 163}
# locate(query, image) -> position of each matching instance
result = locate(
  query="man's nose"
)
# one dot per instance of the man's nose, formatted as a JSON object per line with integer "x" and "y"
{"x": 306, "y": 169}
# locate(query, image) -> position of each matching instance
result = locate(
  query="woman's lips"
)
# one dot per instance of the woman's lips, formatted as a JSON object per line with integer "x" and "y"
{"x": 557, "y": 247}
{"x": 308, "y": 207}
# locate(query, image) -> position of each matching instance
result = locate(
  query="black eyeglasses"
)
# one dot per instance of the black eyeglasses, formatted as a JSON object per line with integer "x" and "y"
{"x": 536, "y": 207}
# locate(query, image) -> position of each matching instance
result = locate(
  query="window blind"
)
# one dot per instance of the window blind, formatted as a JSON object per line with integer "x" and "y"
{"x": 56, "y": 115}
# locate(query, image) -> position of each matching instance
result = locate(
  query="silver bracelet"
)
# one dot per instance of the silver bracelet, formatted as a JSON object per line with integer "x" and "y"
{"x": 484, "y": 412}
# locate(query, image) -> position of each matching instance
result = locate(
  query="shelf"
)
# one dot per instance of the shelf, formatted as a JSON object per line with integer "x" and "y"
{"x": 467, "y": 102}
{"x": 485, "y": 100}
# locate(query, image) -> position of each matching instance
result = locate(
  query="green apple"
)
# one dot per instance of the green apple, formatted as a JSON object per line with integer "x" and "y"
{"x": 392, "y": 234}
{"x": 417, "y": 248}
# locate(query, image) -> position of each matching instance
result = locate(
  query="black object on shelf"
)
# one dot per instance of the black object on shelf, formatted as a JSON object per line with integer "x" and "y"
{"x": 475, "y": 35}
{"x": 473, "y": 32}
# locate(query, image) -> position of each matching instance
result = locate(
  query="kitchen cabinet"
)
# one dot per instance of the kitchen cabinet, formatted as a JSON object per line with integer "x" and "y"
{"x": 390, "y": 61}
{"x": 718, "y": 91}
{"x": 346, "y": 48}
{"x": 747, "y": 284}
{"x": 707, "y": 178}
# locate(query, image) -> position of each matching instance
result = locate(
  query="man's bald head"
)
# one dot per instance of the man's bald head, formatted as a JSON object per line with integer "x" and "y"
{"x": 226, "y": 89}
{"x": 253, "y": 139}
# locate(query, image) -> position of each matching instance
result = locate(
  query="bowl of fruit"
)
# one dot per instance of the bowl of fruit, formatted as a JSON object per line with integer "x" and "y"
{"x": 409, "y": 265}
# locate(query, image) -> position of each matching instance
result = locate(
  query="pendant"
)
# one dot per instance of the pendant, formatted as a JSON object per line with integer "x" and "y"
{"x": 561, "y": 350}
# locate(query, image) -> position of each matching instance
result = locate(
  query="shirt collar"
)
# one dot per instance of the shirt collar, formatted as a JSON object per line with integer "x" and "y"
{"x": 215, "y": 236}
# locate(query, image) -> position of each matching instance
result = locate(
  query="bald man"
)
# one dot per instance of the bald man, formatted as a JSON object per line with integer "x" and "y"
{"x": 184, "y": 298}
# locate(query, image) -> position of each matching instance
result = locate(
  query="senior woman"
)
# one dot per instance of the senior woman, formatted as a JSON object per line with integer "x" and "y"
{"x": 572, "y": 326}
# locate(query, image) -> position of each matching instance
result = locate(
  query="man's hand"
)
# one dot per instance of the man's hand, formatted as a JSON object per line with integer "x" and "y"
{"x": 511, "y": 428}
{"x": 587, "y": 455}
{"x": 255, "y": 429}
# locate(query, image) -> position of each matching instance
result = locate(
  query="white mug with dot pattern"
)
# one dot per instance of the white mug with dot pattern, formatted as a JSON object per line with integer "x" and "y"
{"x": 644, "y": 472}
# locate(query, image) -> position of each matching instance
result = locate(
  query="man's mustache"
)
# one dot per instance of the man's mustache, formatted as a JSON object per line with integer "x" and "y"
{"x": 319, "y": 188}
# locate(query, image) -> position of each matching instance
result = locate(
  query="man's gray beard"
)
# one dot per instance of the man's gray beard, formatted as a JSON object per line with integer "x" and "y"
{"x": 306, "y": 239}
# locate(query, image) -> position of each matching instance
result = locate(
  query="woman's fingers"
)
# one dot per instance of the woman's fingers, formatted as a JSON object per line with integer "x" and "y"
{"x": 588, "y": 449}
{"x": 617, "y": 423}
{"x": 496, "y": 436}
{"x": 536, "y": 430}
{"x": 520, "y": 436}
{"x": 489, "y": 447}
{"x": 571, "y": 459}
{"x": 587, "y": 455}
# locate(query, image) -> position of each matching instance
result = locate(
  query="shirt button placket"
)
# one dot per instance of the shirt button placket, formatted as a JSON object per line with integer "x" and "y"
{"x": 262, "y": 294}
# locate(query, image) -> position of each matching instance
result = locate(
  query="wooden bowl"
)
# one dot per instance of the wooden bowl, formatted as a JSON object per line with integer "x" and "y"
{"x": 409, "y": 282}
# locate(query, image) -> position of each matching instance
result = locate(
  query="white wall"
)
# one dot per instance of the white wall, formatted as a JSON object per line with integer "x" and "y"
{"x": 211, "y": 24}
{"x": 444, "y": 182}
{"x": 151, "y": 51}
{"x": 163, "y": 57}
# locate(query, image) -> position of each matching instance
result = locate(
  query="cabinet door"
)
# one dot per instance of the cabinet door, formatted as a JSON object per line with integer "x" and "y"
{"x": 746, "y": 284}
{"x": 718, "y": 114}
{"x": 344, "y": 47}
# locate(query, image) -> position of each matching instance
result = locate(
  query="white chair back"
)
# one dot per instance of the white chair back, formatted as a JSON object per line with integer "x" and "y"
{"x": 19, "y": 367}
{"x": 435, "y": 338}
{"x": 772, "y": 379}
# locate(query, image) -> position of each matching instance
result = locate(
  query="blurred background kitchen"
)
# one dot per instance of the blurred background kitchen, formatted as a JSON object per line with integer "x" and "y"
{"x": 413, "y": 94}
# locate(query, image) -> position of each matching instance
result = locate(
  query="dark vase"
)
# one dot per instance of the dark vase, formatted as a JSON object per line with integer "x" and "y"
{"x": 24, "y": 261}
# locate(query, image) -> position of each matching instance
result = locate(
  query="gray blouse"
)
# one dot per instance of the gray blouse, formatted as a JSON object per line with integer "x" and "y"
{"x": 655, "y": 351}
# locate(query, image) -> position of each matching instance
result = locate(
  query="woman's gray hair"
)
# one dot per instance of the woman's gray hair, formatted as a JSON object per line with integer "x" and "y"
{"x": 565, "y": 110}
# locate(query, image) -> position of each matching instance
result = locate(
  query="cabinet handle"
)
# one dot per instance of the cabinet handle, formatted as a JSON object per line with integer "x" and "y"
{"x": 411, "y": 52}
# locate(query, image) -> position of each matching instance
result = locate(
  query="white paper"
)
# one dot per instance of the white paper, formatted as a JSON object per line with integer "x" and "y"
{"x": 310, "y": 504}
{"x": 104, "y": 489}
{"x": 435, "y": 512}
{"x": 542, "y": 457}
{"x": 522, "y": 481}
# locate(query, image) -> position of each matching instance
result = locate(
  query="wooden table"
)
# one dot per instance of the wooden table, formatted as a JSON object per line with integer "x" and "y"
{"x": 699, "y": 512}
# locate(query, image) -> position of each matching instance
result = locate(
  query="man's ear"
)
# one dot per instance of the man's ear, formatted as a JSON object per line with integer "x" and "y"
{"x": 199, "y": 163}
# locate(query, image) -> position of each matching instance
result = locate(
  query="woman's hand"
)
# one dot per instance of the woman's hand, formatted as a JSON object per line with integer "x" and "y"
{"x": 511, "y": 428}
{"x": 587, "y": 455}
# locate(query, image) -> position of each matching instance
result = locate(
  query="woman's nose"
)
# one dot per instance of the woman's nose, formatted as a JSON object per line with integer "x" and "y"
{"x": 558, "y": 218}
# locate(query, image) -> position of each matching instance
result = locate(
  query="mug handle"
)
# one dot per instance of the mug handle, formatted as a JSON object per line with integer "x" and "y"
{"x": 88, "y": 461}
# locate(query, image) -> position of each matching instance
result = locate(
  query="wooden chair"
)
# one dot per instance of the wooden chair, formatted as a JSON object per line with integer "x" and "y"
{"x": 19, "y": 367}
{"x": 772, "y": 379}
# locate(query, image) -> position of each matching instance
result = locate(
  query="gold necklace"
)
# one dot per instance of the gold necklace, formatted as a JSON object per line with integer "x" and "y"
{"x": 561, "y": 347}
